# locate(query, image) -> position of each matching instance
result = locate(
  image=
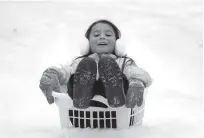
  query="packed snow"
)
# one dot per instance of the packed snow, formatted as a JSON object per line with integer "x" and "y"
{"x": 163, "y": 36}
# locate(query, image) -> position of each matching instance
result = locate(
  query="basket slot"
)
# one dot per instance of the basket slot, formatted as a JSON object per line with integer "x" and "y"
{"x": 95, "y": 123}
{"x": 108, "y": 125}
{"x": 88, "y": 123}
{"x": 76, "y": 122}
{"x": 101, "y": 122}
{"x": 132, "y": 118}
{"x": 114, "y": 123}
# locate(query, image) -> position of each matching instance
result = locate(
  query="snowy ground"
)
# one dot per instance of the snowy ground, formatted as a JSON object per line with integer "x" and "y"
{"x": 164, "y": 37}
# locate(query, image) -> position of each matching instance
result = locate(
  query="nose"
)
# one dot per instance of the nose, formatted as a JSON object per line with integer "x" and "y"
{"x": 102, "y": 37}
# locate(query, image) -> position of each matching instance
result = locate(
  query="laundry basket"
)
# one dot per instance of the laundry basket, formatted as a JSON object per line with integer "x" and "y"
{"x": 96, "y": 117}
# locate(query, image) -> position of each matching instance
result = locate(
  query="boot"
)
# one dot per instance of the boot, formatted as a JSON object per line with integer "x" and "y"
{"x": 84, "y": 79}
{"x": 111, "y": 77}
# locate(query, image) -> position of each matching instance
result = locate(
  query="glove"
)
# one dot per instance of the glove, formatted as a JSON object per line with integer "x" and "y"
{"x": 50, "y": 82}
{"x": 135, "y": 94}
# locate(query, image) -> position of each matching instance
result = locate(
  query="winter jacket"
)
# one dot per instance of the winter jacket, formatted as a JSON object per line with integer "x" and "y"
{"x": 126, "y": 64}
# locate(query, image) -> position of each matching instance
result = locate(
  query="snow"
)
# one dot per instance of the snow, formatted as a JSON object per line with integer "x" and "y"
{"x": 163, "y": 36}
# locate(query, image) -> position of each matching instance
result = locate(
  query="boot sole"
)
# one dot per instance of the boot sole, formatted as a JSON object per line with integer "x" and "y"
{"x": 111, "y": 77}
{"x": 84, "y": 79}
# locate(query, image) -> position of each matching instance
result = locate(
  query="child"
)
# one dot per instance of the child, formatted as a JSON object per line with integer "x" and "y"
{"x": 101, "y": 71}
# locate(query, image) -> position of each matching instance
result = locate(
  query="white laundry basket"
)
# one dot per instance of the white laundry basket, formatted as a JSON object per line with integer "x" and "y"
{"x": 96, "y": 117}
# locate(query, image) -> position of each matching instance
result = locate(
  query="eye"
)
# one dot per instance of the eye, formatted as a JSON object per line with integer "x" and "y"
{"x": 108, "y": 33}
{"x": 96, "y": 34}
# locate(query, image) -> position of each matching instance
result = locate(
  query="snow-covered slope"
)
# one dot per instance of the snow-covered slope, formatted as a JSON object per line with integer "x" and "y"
{"x": 164, "y": 37}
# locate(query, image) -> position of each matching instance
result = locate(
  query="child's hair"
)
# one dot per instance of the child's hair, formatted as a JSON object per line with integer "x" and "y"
{"x": 115, "y": 29}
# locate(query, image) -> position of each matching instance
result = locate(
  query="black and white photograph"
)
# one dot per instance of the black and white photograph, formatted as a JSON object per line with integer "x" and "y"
{"x": 101, "y": 68}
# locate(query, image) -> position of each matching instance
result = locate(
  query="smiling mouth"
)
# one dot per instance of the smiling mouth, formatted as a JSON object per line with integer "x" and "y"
{"x": 102, "y": 44}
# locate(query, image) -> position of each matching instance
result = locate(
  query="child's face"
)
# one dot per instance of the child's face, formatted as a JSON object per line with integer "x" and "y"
{"x": 102, "y": 38}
